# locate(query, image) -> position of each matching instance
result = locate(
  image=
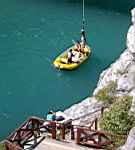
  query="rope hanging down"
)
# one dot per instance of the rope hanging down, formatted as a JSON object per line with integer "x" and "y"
{"x": 83, "y": 19}
{"x": 83, "y": 12}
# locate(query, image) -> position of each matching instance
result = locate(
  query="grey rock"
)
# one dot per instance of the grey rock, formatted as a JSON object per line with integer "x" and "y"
{"x": 82, "y": 113}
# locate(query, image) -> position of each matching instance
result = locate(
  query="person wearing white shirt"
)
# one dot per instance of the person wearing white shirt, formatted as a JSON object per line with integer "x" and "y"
{"x": 76, "y": 56}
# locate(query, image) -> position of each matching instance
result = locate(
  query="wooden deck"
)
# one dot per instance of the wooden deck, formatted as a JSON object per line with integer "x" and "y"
{"x": 49, "y": 144}
{"x": 39, "y": 134}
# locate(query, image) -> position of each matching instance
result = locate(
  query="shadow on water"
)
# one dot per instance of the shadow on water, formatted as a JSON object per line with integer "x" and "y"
{"x": 123, "y": 6}
{"x": 114, "y": 5}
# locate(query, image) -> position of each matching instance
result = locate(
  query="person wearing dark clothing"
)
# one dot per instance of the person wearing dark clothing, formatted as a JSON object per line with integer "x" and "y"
{"x": 70, "y": 55}
{"x": 83, "y": 38}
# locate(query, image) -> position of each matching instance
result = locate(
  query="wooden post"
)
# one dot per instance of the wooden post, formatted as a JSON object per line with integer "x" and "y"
{"x": 63, "y": 132}
{"x": 96, "y": 124}
{"x": 102, "y": 111}
{"x": 33, "y": 122}
{"x": 99, "y": 138}
{"x": 72, "y": 133}
{"x": 19, "y": 138}
{"x": 35, "y": 138}
{"x": 78, "y": 136}
{"x": 53, "y": 130}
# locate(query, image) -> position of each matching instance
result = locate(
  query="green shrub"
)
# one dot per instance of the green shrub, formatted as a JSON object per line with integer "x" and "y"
{"x": 107, "y": 94}
{"x": 117, "y": 120}
{"x": 2, "y": 147}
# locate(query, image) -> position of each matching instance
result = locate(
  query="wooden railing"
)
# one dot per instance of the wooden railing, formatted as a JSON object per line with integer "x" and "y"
{"x": 53, "y": 126}
{"x": 118, "y": 139}
{"x": 11, "y": 146}
{"x": 99, "y": 139}
{"x": 34, "y": 127}
{"x": 30, "y": 128}
{"x": 92, "y": 138}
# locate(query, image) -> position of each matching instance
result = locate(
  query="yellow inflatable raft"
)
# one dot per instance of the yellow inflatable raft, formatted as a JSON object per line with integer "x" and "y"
{"x": 61, "y": 62}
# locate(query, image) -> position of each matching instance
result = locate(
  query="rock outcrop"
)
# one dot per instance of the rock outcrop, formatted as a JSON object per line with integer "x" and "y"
{"x": 123, "y": 72}
{"x": 85, "y": 112}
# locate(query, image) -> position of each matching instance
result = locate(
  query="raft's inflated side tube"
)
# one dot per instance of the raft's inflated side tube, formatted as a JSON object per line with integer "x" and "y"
{"x": 61, "y": 61}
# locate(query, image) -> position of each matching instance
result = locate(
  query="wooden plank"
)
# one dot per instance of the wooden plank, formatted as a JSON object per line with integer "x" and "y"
{"x": 49, "y": 144}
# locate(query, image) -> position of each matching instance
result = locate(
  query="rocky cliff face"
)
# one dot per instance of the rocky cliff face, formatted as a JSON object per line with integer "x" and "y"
{"x": 82, "y": 113}
{"x": 123, "y": 72}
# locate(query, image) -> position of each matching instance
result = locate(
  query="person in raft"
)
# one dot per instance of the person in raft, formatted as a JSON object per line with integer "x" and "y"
{"x": 77, "y": 52}
{"x": 74, "y": 55}
{"x": 78, "y": 46}
{"x": 83, "y": 39}
{"x": 70, "y": 55}
{"x": 84, "y": 50}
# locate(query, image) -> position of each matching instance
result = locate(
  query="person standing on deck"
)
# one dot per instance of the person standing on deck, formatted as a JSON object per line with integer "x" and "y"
{"x": 50, "y": 116}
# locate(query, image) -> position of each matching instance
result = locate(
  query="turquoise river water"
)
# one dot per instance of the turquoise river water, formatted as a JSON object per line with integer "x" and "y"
{"x": 32, "y": 34}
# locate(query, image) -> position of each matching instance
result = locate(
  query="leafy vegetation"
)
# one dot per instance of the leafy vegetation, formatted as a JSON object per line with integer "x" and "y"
{"x": 117, "y": 120}
{"x": 107, "y": 94}
{"x": 2, "y": 147}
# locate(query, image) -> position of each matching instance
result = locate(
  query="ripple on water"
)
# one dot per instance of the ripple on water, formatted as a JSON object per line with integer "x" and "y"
{"x": 59, "y": 74}
{"x": 62, "y": 33}
{"x": 48, "y": 59}
{"x": 35, "y": 35}
{"x": 5, "y": 115}
{"x": 3, "y": 35}
{"x": 9, "y": 93}
{"x": 18, "y": 33}
{"x": 43, "y": 20}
